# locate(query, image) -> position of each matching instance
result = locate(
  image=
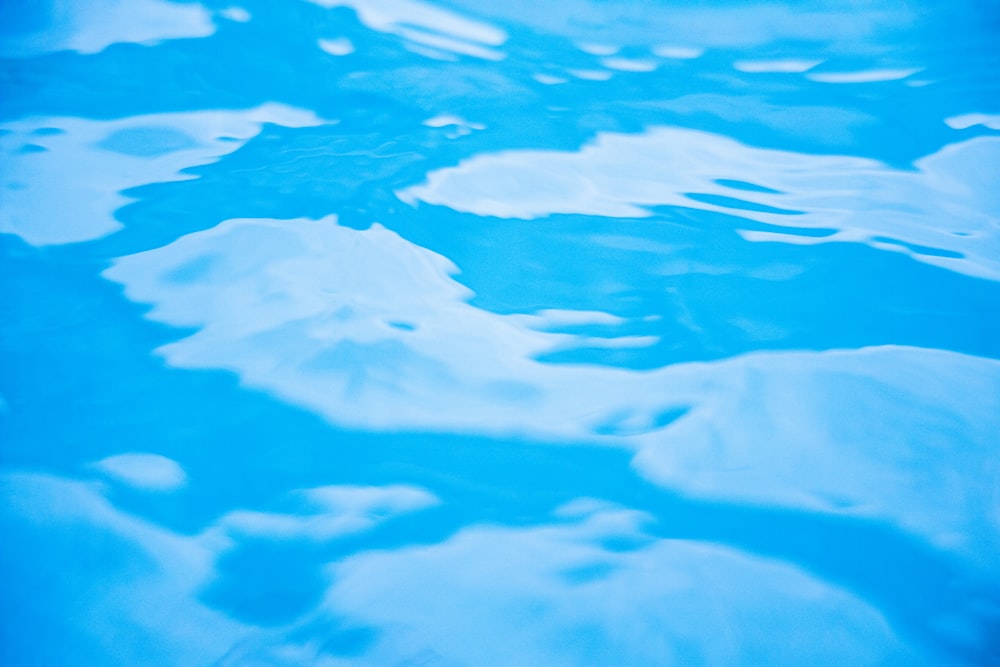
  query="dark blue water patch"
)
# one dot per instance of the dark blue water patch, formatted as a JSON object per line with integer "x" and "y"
{"x": 267, "y": 582}
{"x": 24, "y": 18}
{"x": 348, "y": 642}
{"x": 283, "y": 173}
{"x": 32, "y": 148}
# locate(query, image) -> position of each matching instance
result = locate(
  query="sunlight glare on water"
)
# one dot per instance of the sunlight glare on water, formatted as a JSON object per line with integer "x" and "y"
{"x": 391, "y": 332}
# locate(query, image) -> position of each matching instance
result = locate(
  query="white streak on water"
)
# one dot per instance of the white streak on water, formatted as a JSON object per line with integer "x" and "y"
{"x": 678, "y": 52}
{"x": 791, "y": 66}
{"x": 863, "y": 76}
{"x": 991, "y": 121}
{"x": 337, "y": 47}
{"x": 630, "y": 64}
{"x": 598, "y": 49}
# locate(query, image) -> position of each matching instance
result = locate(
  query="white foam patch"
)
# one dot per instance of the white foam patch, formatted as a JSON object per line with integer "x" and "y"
{"x": 331, "y": 511}
{"x": 371, "y": 331}
{"x": 237, "y": 14}
{"x": 991, "y": 121}
{"x": 150, "y": 472}
{"x": 337, "y": 47}
{"x": 598, "y": 49}
{"x": 50, "y": 199}
{"x": 553, "y": 595}
{"x": 677, "y": 52}
{"x": 630, "y": 64}
{"x": 90, "y": 26}
{"x": 617, "y": 175}
{"x": 616, "y": 343}
{"x": 548, "y": 79}
{"x": 427, "y": 25}
{"x": 863, "y": 76}
{"x": 790, "y": 66}
{"x": 591, "y": 74}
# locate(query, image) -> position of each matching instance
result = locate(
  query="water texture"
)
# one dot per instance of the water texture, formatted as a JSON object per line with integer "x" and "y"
{"x": 389, "y": 332}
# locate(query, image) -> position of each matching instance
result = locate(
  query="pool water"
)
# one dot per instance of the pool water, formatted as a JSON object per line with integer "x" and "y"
{"x": 388, "y": 332}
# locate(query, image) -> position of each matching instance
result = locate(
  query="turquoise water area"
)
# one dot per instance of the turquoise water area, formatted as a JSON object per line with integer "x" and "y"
{"x": 584, "y": 332}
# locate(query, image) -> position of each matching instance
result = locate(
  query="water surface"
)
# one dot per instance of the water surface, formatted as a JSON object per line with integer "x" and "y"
{"x": 384, "y": 332}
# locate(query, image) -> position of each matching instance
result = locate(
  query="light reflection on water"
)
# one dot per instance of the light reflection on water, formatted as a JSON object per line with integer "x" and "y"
{"x": 394, "y": 332}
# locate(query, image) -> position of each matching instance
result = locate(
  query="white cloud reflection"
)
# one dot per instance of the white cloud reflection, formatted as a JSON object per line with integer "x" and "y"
{"x": 858, "y": 199}
{"x": 783, "y": 66}
{"x": 371, "y": 331}
{"x": 863, "y": 76}
{"x": 141, "y": 470}
{"x": 50, "y": 199}
{"x": 426, "y": 25}
{"x": 990, "y": 121}
{"x": 90, "y": 26}
{"x": 337, "y": 47}
{"x": 555, "y": 595}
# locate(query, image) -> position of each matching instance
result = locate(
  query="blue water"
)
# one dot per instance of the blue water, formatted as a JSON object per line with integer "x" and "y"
{"x": 381, "y": 332}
